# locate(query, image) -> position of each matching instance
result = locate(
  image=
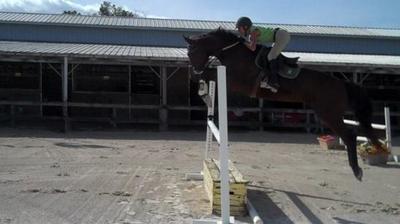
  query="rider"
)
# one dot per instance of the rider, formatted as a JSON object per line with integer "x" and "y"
{"x": 263, "y": 35}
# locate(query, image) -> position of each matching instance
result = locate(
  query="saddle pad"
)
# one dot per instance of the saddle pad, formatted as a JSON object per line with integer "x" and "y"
{"x": 289, "y": 72}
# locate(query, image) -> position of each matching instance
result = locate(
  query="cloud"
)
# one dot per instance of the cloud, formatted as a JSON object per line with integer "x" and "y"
{"x": 58, "y": 6}
{"x": 46, "y": 6}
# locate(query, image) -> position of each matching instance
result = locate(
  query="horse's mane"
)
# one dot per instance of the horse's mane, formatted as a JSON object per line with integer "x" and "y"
{"x": 225, "y": 35}
{"x": 228, "y": 36}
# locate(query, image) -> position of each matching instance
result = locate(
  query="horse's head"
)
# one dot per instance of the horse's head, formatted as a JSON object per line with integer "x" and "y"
{"x": 198, "y": 53}
{"x": 203, "y": 46}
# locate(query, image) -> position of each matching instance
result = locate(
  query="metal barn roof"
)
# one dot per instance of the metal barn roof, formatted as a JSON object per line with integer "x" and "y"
{"x": 176, "y": 54}
{"x": 189, "y": 25}
{"x": 92, "y": 50}
{"x": 347, "y": 59}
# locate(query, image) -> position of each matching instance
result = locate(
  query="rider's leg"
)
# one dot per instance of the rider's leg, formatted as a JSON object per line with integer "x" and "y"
{"x": 282, "y": 38}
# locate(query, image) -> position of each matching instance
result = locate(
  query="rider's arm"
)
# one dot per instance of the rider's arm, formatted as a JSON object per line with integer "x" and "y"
{"x": 252, "y": 45}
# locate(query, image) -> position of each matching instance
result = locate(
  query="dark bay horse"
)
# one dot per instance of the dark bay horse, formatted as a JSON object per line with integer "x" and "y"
{"x": 327, "y": 96}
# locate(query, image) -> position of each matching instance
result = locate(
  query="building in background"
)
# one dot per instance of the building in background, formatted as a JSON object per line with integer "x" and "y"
{"x": 135, "y": 70}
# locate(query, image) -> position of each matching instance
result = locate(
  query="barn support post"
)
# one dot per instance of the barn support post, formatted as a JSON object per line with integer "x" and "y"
{"x": 130, "y": 91}
{"x": 260, "y": 114}
{"x": 65, "y": 94}
{"x": 41, "y": 88}
{"x": 163, "y": 112}
{"x": 355, "y": 77}
{"x": 12, "y": 113}
{"x": 189, "y": 102}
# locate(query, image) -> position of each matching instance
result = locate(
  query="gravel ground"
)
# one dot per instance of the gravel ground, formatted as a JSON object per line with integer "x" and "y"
{"x": 138, "y": 177}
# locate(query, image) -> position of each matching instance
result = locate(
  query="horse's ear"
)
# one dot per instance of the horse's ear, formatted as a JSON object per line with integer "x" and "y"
{"x": 220, "y": 28}
{"x": 188, "y": 40}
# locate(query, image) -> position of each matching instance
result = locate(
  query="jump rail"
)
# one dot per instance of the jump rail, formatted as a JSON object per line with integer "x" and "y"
{"x": 386, "y": 127}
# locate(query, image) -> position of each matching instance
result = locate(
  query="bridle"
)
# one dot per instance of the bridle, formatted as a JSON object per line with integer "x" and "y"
{"x": 213, "y": 59}
{"x": 203, "y": 87}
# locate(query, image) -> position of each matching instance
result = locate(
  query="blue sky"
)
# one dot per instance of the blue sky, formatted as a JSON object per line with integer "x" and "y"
{"x": 369, "y": 13}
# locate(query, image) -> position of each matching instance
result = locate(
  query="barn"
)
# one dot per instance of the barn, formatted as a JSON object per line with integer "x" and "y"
{"x": 134, "y": 71}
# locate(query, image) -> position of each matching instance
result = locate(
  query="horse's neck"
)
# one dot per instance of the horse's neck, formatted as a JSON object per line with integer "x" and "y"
{"x": 242, "y": 72}
{"x": 239, "y": 59}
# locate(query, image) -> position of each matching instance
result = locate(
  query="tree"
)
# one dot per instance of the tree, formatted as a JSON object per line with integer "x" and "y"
{"x": 68, "y": 12}
{"x": 105, "y": 9}
{"x": 109, "y": 9}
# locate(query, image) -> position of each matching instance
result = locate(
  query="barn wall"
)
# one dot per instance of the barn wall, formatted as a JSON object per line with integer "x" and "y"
{"x": 170, "y": 38}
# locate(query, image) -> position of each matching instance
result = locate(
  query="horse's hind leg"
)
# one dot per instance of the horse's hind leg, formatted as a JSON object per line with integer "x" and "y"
{"x": 335, "y": 122}
{"x": 350, "y": 140}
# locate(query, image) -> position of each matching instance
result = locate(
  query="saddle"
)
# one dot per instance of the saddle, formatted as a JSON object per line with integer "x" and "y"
{"x": 288, "y": 67}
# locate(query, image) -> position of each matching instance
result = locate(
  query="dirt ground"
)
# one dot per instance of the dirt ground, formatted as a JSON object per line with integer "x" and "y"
{"x": 138, "y": 177}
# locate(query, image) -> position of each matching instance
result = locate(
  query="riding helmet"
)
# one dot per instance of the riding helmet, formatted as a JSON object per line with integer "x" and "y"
{"x": 244, "y": 22}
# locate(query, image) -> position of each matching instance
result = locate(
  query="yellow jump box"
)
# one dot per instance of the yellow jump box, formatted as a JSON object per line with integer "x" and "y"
{"x": 237, "y": 188}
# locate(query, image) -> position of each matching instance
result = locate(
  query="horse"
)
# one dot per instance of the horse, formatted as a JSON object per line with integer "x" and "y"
{"x": 328, "y": 96}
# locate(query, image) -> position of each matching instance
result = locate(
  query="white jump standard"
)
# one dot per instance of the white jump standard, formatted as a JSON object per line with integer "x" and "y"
{"x": 221, "y": 135}
{"x": 385, "y": 127}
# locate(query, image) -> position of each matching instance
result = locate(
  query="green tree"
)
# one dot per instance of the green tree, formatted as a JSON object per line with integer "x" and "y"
{"x": 68, "y": 12}
{"x": 109, "y": 9}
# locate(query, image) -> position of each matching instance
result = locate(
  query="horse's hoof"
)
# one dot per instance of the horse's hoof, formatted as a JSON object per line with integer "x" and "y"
{"x": 359, "y": 174}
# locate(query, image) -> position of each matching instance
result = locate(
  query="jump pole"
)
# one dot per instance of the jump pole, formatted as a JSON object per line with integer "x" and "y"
{"x": 209, "y": 135}
{"x": 210, "y": 117}
{"x": 223, "y": 144}
{"x": 393, "y": 157}
{"x": 220, "y": 133}
{"x": 386, "y": 127}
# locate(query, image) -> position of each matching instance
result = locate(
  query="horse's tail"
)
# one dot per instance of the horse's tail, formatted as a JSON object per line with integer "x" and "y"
{"x": 361, "y": 105}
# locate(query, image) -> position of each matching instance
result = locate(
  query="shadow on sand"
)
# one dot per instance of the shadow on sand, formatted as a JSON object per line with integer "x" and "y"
{"x": 186, "y": 135}
{"x": 270, "y": 212}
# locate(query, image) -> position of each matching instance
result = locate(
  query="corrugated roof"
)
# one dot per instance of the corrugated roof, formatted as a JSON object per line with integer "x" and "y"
{"x": 92, "y": 50}
{"x": 347, "y": 59}
{"x": 189, "y": 25}
{"x": 177, "y": 54}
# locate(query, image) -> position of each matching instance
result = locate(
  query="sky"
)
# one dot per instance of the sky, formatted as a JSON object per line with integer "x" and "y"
{"x": 359, "y": 13}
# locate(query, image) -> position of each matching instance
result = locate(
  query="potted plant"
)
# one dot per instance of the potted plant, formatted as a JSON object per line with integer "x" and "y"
{"x": 371, "y": 155}
{"x": 327, "y": 142}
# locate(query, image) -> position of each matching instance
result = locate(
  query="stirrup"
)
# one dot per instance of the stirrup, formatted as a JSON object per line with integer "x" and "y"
{"x": 265, "y": 85}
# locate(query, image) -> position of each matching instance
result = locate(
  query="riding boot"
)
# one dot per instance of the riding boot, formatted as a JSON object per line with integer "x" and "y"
{"x": 271, "y": 81}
